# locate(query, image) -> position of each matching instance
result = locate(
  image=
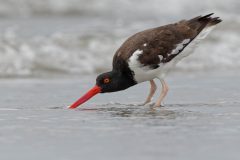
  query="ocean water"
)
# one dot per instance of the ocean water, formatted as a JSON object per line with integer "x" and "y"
{"x": 42, "y": 38}
{"x": 200, "y": 120}
{"x": 51, "y": 52}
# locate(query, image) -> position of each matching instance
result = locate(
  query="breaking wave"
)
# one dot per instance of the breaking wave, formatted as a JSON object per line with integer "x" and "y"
{"x": 88, "y": 47}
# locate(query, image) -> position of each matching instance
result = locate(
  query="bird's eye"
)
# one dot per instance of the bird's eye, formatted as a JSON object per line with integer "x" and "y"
{"x": 106, "y": 80}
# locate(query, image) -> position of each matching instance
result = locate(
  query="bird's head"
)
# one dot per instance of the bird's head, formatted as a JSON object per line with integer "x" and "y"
{"x": 107, "y": 82}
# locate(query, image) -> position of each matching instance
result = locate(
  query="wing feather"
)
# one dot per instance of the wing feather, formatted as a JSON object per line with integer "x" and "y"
{"x": 162, "y": 44}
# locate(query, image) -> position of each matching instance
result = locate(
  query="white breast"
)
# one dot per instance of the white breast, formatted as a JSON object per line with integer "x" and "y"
{"x": 144, "y": 73}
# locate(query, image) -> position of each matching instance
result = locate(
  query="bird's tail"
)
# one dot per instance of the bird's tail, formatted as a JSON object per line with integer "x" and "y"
{"x": 203, "y": 25}
{"x": 201, "y": 22}
{"x": 210, "y": 20}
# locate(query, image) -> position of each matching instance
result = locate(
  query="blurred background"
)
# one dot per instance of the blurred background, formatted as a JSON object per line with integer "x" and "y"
{"x": 52, "y": 37}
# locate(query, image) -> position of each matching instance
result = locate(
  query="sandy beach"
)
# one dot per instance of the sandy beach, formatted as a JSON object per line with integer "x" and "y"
{"x": 200, "y": 120}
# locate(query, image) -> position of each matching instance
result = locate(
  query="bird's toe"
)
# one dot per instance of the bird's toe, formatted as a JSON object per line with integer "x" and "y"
{"x": 149, "y": 104}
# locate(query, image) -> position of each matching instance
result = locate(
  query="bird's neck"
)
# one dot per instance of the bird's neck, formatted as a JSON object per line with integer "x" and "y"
{"x": 124, "y": 80}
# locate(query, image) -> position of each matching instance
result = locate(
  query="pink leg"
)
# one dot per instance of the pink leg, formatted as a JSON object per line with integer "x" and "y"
{"x": 153, "y": 89}
{"x": 163, "y": 93}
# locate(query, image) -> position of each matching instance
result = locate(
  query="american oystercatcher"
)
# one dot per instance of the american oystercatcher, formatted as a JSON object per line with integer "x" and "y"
{"x": 151, "y": 54}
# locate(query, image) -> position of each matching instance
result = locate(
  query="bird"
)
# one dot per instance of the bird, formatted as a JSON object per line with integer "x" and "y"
{"x": 150, "y": 55}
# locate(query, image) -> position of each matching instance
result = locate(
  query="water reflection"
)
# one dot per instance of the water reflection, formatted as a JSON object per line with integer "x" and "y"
{"x": 160, "y": 113}
{"x": 130, "y": 110}
{"x": 133, "y": 111}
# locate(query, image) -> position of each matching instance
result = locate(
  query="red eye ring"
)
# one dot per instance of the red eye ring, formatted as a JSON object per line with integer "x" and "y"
{"x": 106, "y": 80}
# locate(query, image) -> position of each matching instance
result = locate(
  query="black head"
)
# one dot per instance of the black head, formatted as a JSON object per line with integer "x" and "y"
{"x": 114, "y": 81}
{"x": 107, "y": 82}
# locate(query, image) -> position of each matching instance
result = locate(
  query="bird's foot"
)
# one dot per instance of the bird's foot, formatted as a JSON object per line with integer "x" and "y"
{"x": 158, "y": 105}
{"x": 146, "y": 103}
{"x": 149, "y": 104}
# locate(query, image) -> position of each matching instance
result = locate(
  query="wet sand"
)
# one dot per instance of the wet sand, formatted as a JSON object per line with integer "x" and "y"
{"x": 200, "y": 120}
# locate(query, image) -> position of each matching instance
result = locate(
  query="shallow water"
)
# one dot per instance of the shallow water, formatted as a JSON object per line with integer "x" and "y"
{"x": 40, "y": 40}
{"x": 200, "y": 120}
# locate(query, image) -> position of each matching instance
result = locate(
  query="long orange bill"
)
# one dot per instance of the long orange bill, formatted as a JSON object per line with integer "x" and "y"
{"x": 92, "y": 92}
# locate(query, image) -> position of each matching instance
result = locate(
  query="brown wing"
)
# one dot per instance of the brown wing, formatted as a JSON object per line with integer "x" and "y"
{"x": 162, "y": 41}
